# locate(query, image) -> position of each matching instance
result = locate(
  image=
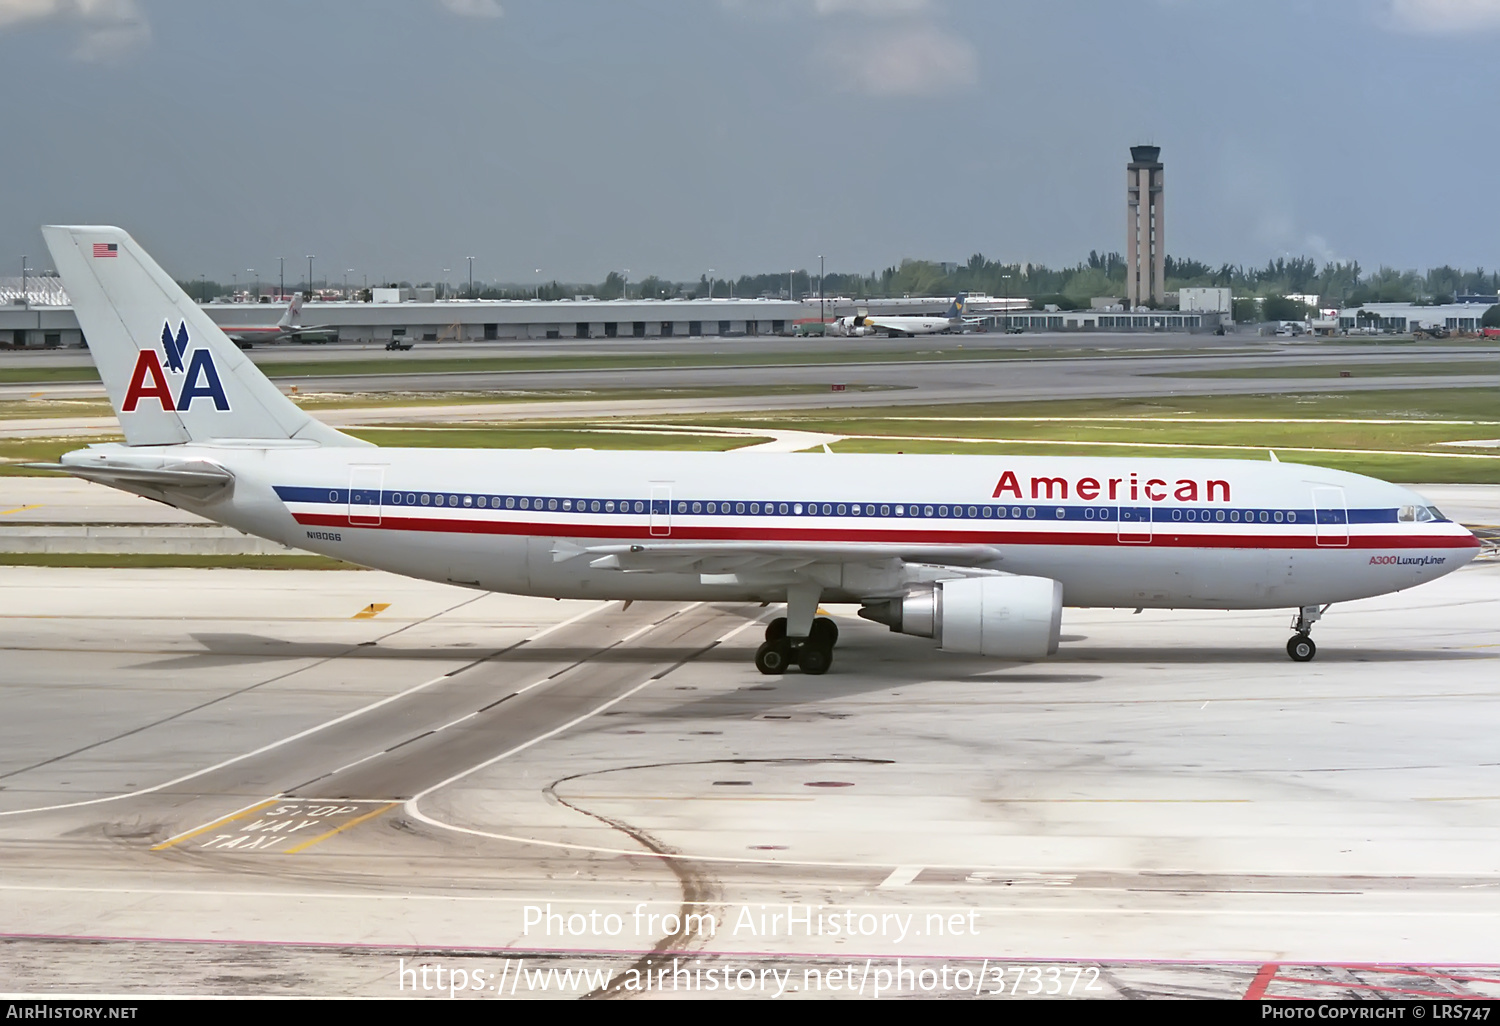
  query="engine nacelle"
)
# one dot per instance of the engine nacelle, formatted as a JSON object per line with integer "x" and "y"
{"x": 1006, "y": 617}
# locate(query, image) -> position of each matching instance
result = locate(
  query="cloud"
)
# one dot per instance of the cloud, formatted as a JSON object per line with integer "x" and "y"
{"x": 473, "y": 8}
{"x": 872, "y": 8}
{"x": 1445, "y": 17}
{"x": 109, "y": 29}
{"x": 904, "y": 60}
{"x": 878, "y": 47}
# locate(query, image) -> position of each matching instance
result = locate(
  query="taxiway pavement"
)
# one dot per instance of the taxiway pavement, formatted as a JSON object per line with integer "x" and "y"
{"x": 211, "y": 778}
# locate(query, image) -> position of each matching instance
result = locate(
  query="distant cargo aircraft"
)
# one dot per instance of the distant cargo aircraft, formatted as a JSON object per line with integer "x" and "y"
{"x": 862, "y": 324}
{"x": 284, "y": 330}
{"x": 979, "y": 553}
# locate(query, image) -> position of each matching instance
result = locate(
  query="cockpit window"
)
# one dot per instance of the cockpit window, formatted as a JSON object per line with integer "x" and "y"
{"x": 1433, "y": 513}
{"x": 1407, "y": 514}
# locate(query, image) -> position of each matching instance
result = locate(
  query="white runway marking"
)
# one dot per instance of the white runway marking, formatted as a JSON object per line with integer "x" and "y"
{"x": 300, "y": 734}
{"x": 901, "y": 876}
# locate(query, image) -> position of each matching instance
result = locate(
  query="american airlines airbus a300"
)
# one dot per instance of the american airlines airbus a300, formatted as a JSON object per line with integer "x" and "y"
{"x": 979, "y": 553}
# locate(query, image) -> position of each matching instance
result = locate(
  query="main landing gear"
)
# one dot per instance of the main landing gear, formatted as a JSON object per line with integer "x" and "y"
{"x": 811, "y": 648}
{"x": 1301, "y": 647}
{"x": 814, "y": 653}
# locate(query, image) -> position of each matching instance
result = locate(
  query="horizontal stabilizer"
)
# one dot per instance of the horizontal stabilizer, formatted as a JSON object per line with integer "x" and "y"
{"x": 154, "y": 475}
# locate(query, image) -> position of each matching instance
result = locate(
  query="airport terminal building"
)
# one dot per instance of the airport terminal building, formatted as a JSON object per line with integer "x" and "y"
{"x": 43, "y": 319}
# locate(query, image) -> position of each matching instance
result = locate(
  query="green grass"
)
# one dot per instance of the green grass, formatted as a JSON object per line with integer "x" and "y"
{"x": 1124, "y": 421}
{"x": 41, "y": 450}
{"x": 29, "y": 409}
{"x": 145, "y": 560}
{"x": 1292, "y": 425}
{"x": 360, "y": 400}
{"x": 37, "y": 409}
{"x": 444, "y": 436}
{"x": 1408, "y": 469}
{"x": 1369, "y": 370}
{"x": 848, "y": 351}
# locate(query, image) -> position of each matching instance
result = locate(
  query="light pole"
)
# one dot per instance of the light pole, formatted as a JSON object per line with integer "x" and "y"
{"x": 791, "y": 285}
{"x": 309, "y": 275}
{"x": 1006, "y": 279}
{"x": 821, "y": 307}
{"x": 445, "y": 284}
{"x": 347, "y": 271}
{"x": 251, "y": 270}
{"x": 280, "y": 278}
{"x": 710, "y": 283}
{"x": 471, "y": 277}
{"x": 538, "y": 284}
{"x": 625, "y": 285}
{"x": 234, "y": 288}
{"x": 25, "y": 295}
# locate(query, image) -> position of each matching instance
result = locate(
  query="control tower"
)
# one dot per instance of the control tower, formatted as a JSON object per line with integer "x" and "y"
{"x": 1145, "y": 228}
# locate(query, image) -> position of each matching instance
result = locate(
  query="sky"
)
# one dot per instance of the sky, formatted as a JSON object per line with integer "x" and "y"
{"x": 563, "y": 139}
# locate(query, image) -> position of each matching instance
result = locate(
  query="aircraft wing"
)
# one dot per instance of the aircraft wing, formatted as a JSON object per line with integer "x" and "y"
{"x": 869, "y": 569}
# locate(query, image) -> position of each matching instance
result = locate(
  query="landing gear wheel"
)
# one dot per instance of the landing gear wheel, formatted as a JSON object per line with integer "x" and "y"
{"x": 815, "y": 658}
{"x": 776, "y": 629}
{"x": 773, "y": 657}
{"x": 824, "y": 632}
{"x": 1301, "y": 648}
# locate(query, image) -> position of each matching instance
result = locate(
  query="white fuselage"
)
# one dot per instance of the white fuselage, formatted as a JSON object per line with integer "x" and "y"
{"x": 858, "y": 326}
{"x": 1115, "y": 532}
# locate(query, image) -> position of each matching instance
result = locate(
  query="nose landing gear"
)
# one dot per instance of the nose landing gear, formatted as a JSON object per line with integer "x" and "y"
{"x": 1301, "y": 647}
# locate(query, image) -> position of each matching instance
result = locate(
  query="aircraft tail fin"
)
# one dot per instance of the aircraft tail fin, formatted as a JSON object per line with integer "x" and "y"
{"x": 171, "y": 374}
{"x": 959, "y": 305}
{"x": 293, "y": 311}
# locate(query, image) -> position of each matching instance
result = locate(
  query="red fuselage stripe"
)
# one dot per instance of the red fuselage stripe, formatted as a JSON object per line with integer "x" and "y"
{"x": 888, "y": 537}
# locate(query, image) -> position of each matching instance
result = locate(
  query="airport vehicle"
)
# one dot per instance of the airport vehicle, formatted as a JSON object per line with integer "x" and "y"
{"x": 284, "y": 330}
{"x": 395, "y": 345}
{"x": 979, "y": 553}
{"x": 863, "y": 324}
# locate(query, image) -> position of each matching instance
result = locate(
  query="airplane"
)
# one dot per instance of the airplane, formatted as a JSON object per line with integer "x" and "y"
{"x": 979, "y": 553}
{"x": 862, "y": 324}
{"x": 284, "y": 330}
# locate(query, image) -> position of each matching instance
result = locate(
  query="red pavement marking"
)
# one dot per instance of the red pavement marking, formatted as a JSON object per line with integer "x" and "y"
{"x": 1371, "y": 986}
{"x": 1262, "y": 980}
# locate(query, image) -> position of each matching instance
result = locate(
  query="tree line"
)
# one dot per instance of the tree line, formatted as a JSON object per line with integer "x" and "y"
{"x": 1343, "y": 284}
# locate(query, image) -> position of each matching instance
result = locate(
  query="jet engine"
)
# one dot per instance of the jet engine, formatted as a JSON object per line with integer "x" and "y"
{"x": 1006, "y": 617}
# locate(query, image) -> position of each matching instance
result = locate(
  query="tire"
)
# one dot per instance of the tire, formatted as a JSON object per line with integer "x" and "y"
{"x": 1301, "y": 648}
{"x": 776, "y": 629}
{"x": 815, "y": 659}
{"x": 824, "y": 632}
{"x": 773, "y": 657}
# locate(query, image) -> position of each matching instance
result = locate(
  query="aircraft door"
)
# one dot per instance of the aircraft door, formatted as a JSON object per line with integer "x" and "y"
{"x": 1134, "y": 526}
{"x": 365, "y": 486}
{"x": 661, "y": 509}
{"x": 1332, "y": 516}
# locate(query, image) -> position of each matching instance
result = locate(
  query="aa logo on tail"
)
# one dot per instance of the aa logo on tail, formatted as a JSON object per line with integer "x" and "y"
{"x": 200, "y": 378}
